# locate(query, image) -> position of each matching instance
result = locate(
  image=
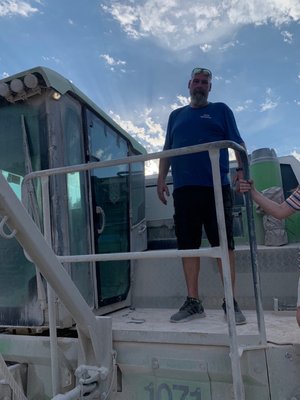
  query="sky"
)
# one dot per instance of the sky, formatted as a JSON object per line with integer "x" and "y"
{"x": 133, "y": 58}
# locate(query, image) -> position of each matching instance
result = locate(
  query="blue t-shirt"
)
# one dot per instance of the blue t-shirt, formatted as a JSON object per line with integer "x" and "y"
{"x": 188, "y": 126}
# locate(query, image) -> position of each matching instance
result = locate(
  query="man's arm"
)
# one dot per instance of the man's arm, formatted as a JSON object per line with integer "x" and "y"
{"x": 239, "y": 172}
{"x": 162, "y": 188}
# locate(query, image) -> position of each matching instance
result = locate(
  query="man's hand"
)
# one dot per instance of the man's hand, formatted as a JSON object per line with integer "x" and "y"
{"x": 245, "y": 186}
{"x": 237, "y": 178}
{"x": 162, "y": 191}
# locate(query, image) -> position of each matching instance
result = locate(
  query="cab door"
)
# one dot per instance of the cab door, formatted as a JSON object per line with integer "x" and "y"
{"x": 110, "y": 210}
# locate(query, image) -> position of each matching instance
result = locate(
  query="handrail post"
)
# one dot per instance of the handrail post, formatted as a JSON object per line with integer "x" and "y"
{"x": 238, "y": 386}
{"x": 50, "y": 292}
{"x": 255, "y": 270}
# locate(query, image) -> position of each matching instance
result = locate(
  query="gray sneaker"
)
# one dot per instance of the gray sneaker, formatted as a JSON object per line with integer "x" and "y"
{"x": 191, "y": 309}
{"x": 240, "y": 318}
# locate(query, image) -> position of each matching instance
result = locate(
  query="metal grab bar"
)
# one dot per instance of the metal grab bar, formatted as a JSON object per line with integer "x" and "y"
{"x": 4, "y": 234}
{"x": 222, "y": 144}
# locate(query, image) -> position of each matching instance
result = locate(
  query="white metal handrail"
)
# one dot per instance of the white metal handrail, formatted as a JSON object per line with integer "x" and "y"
{"x": 216, "y": 252}
{"x": 221, "y": 144}
{"x": 45, "y": 174}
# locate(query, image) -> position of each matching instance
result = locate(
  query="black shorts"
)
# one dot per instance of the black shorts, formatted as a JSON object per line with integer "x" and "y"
{"x": 195, "y": 207}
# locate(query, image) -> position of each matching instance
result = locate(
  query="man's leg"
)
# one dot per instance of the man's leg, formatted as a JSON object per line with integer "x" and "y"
{"x": 188, "y": 229}
{"x": 191, "y": 268}
{"x": 192, "y": 307}
{"x": 213, "y": 236}
{"x": 239, "y": 316}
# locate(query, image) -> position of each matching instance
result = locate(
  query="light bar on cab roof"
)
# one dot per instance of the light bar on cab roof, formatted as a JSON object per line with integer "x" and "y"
{"x": 20, "y": 88}
{"x": 4, "y": 89}
{"x": 17, "y": 86}
{"x": 31, "y": 81}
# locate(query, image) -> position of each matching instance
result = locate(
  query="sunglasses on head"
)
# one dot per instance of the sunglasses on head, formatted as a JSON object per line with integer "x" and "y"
{"x": 204, "y": 71}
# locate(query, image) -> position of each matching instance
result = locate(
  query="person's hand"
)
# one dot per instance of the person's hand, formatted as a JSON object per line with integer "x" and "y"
{"x": 236, "y": 178}
{"x": 162, "y": 191}
{"x": 245, "y": 185}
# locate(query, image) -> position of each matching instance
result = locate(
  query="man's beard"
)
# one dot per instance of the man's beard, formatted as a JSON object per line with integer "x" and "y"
{"x": 198, "y": 98}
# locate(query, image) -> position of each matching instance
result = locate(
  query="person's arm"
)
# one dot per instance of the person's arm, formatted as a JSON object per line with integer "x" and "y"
{"x": 162, "y": 188}
{"x": 270, "y": 207}
{"x": 164, "y": 166}
{"x": 232, "y": 133}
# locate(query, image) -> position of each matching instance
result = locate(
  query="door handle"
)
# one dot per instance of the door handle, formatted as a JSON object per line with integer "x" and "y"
{"x": 142, "y": 229}
{"x": 100, "y": 212}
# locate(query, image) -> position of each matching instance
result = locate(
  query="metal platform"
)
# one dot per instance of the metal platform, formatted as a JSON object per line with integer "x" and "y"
{"x": 152, "y": 325}
{"x": 162, "y": 360}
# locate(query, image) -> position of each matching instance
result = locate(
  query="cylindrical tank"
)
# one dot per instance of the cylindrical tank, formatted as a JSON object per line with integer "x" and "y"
{"x": 265, "y": 168}
{"x": 265, "y": 171}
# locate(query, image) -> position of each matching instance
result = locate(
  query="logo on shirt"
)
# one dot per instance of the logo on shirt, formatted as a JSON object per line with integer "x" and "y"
{"x": 205, "y": 116}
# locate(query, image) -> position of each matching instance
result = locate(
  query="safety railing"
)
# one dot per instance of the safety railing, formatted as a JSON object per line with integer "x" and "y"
{"x": 216, "y": 252}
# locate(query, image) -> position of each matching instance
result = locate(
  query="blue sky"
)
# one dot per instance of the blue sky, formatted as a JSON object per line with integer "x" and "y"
{"x": 133, "y": 58}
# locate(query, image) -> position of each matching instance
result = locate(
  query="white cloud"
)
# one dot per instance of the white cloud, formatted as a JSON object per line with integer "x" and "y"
{"x": 296, "y": 154}
{"x": 16, "y": 7}
{"x": 111, "y": 61}
{"x": 5, "y": 74}
{"x": 126, "y": 16}
{"x": 270, "y": 102}
{"x": 228, "y": 45}
{"x": 239, "y": 108}
{"x": 268, "y": 105}
{"x": 154, "y": 128}
{"x": 287, "y": 37}
{"x": 179, "y": 24}
{"x": 147, "y": 132}
{"x": 53, "y": 59}
{"x": 205, "y": 47}
{"x": 182, "y": 101}
{"x": 244, "y": 106}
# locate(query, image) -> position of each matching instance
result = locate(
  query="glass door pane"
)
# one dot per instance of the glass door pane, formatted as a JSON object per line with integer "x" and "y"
{"x": 79, "y": 236}
{"x": 19, "y": 146}
{"x": 110, "y": 210}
